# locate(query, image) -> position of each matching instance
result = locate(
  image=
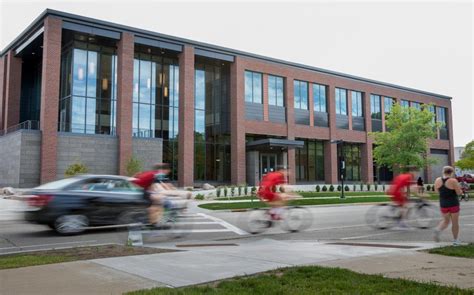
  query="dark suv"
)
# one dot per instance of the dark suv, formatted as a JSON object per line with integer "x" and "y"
{"x": 72, "y": 205}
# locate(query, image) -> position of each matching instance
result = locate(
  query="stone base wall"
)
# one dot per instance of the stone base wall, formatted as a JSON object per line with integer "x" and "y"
{"x": 148, "y": 150}
{"x": 20, "y": 159}
{"x": 98, "y": 153}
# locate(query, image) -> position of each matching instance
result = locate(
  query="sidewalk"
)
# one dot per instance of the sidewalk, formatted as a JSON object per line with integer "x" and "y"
{"x": 197, "y": 265}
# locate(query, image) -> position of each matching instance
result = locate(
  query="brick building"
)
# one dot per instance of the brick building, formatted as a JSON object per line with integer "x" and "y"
{"x": 79, "y": 89}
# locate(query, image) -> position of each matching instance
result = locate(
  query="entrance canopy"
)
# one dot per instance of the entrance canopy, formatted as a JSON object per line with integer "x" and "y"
{"x": 274, "y": 144}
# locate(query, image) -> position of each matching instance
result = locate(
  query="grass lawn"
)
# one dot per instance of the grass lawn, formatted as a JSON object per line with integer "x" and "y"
{"x": 72, "y": 254}
{"x": 310, "y": 280}
{"x": 466, "y": 251}
{"x": 300, "y": 202}
{"x": 317, "y": 195}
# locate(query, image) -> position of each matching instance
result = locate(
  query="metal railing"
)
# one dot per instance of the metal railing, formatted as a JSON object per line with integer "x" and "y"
{"x": 26, "y": 125}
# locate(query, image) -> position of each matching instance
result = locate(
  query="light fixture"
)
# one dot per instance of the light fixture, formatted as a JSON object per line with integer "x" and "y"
{"x": 33, "y": 53}
{"x": 218, "y": 160}
{"x": 160, "y": 78}
{"x": 80, "y": 73}
{"x": 166, "y": 92}
{"x": 91, "y": 68}
{"x": 105, "y": 84}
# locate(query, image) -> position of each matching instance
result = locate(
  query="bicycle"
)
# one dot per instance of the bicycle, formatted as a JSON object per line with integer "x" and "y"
{"x": 293, "y": 219}
{"x": 465, "y": 194}
{"x": 174, "y": 225}
{"x": 420, "y": 213}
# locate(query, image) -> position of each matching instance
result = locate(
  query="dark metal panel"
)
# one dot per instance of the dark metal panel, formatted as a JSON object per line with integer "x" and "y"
{"x": 91, "y": 30}
{"x": 321, "y": 119}
{"x": 301, "y": 117}
{"x": 158, "y": 44}
{"x": 342, "y": 121}
{"x": 277, "y": 114}
{"x": 213, "y": 54}
{"x": 376, "y": 125}
{"x": 358, "y": 123}
{"x": 253, "y": 111}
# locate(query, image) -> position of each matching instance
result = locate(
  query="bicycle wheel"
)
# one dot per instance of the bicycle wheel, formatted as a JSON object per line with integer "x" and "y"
{"x": 258, "y": 221}
{"x": 296, "y": 219}
{"x": 382, "y": 216}
{"x": 423, "y": 216}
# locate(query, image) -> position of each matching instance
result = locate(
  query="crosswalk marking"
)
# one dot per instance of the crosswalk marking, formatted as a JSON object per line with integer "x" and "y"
{"x": 226, "y": 224}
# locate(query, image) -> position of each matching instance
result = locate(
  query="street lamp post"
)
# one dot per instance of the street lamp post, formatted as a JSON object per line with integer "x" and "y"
{"x": 342, "y": 164}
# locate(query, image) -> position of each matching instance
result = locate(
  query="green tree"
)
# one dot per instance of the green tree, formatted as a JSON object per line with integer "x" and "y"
{"x": 75, "y": 169}
{"x": 406, "y": 141}
{"x": 467, "y": 157}
{"x": 134, "y": 165}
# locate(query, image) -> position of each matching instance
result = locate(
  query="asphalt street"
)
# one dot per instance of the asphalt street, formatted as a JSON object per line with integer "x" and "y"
{"x": 330, "y": 223}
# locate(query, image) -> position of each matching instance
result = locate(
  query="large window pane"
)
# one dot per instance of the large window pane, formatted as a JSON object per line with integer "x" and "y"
{"x": 279, "y": 92}
{"x": 319, "y": 94}
{"x": 357, "y": 110}
{"x": 257, "y": 88}
{"x": 92, "y": 74}
{"x": 78, "y": 114}
{"x": 145, "y": 81}
{"x": 272, "y": 90}
{"x": 79, "y": 72}
{"x": 248, "y": 86}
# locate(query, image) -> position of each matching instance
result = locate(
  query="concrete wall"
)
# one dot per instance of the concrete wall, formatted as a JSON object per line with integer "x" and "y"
{"x": 20, "y": 159}
{"x": 98, "y": 152}
{"x": 148, "y": 150}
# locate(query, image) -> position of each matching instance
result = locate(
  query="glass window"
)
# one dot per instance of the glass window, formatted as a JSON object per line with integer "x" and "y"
{"x": 416, "y": 105}
{"x": 310, "y": 161}
{"x": 275, "y": 91}
{"x": 375, "y": 107}
{"x": 253, "y": 87}
{"x": 352, "y": 158}
{"x": 404, "y": 103}
{"x": 388, "y": 104}
{"x": 357, "y": 105}
{"x": 441, "y": 116}
{"x": 300, "y": 94}
{"x": 341, "y": 101}
{"x": 432, "y": 109}
{"x": 79, "y": 72}
{"x": 319, "y": 95}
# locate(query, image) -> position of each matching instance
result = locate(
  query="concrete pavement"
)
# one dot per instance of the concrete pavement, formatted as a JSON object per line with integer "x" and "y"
{"x": 207, "y": 263}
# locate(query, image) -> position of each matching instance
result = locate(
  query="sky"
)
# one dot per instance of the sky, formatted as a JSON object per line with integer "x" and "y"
{"x": 426, "y": 45}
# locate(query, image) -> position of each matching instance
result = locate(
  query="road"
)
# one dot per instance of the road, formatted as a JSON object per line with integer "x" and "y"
{"x": 330, "y": 223}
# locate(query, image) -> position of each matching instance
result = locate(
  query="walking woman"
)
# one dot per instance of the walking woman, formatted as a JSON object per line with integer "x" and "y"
{"x": 448, "y": 188}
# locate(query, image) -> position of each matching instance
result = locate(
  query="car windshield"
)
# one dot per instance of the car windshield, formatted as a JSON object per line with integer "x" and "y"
{"x": 59, "y": 184}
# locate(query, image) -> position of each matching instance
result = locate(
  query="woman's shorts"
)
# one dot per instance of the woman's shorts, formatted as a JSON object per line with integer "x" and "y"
{"x": 453, "y": 209}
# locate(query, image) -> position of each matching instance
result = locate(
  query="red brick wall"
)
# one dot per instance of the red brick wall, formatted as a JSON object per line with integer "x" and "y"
{"x": 50, "y": 97}
{"x": 125, "y": 55}
{"x": 12, "y": 90}
{"x": 237, "y": 119}
{"x": 186, "y": 118}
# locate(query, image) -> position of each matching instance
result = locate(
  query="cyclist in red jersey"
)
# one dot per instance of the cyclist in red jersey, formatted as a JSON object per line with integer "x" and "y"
{"x": 267, "y": 191}
{"x": 399, "y": 188}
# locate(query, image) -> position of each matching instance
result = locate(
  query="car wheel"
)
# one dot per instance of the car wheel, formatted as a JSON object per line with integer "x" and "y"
{"x": 71, "y": 224}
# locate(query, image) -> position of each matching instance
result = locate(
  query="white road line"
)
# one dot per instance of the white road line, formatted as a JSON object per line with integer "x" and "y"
{"x": 226, "y": 224}
{"x": 43, "y": 245}
{"x": 198, "y": 222}
{"x": 178, "y": 231}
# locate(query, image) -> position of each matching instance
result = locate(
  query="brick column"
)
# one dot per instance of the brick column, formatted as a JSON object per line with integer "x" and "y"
{"x": 349, "y": 108}
{"x": 125, "y": 55}
{"x": 12, "y": 90}
{"x": 450, "y": 135}
{"x": 330, "y": 150}
{"x": 290, "y": 116}
{"x": 186, "y": 118}
{"x": 311, "y": 104}
{"x": 237, "y": 120}
{"x": 2, "y": 89}
{"x": 265, "y": 97}
{"x": 50, "y": 81}
{"x": 367, "y": 165}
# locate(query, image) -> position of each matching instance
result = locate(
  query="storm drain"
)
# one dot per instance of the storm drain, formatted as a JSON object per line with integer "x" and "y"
{"x": 374, "y": 245}
{"x": 205, "y": 245}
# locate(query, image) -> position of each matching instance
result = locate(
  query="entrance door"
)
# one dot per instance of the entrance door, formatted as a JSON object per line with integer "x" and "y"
{"x": 268, "y": 163}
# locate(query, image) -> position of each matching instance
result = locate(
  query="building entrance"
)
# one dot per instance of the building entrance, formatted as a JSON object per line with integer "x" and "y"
{"x": 268, "y": 163}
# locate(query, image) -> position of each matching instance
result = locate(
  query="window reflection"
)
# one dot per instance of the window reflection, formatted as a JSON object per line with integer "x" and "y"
{"x": 341, "y": 101}
{"x": 300, "y": 90}
{"x": 357, "y": 104}
{"x": 253, "y": 87}
{"x": 88, "y": 86}
{"x": 375, "y": 108}
{"x": 319, "y": 95}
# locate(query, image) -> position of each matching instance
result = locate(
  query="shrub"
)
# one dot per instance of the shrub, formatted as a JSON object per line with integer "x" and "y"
{"x": 428, "y": 187}
{"x": 75, "y": 168}
{"x": 254, "y": 190}
{"x": 433, "y": 188}
{"x": 243, "y": 191}
{"x": 354, "y": 187}
{"x": 331, "y": 188}
{"x": 368, "y": 187}
{"x": 318, "y": 189}
{"x": 376, "y": 186}
{"x": 339, "y": 188}
{"x": 325, "y": 189}
{"x": 134, "y": 165}
{"x": 471, "y": 186}
{"x": 383, "y": 187}
{"x": 199, "y": 197}
{"x": 361, "y": 186}
{"x": 346, "y": 188}
{"x": 233, "y": 191}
